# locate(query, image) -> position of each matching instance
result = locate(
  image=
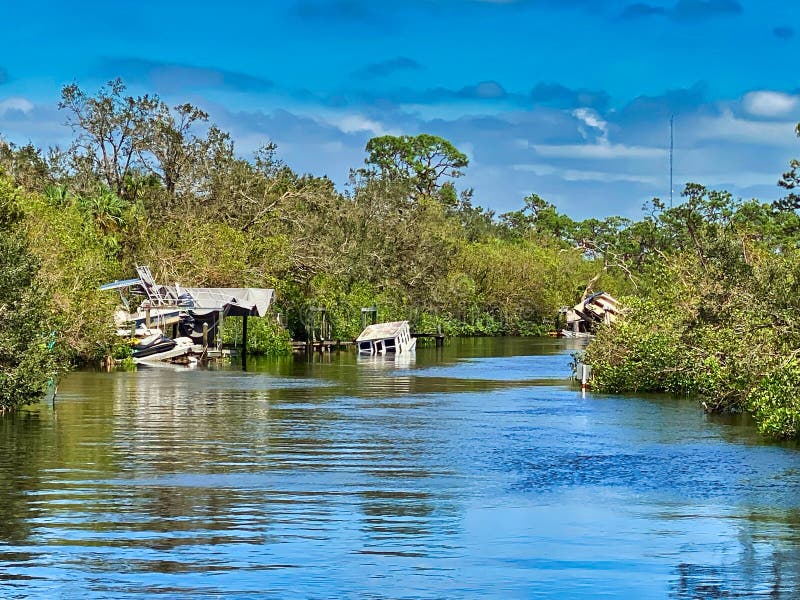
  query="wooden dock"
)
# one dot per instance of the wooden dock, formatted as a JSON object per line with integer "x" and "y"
{"x": 336, "y": 345}
{"x": 320, "y": 346}
{"x": 439, "y": 337}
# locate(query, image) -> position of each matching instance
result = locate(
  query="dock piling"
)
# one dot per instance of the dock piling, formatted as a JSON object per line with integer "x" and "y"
{"x": 244, "y": 343}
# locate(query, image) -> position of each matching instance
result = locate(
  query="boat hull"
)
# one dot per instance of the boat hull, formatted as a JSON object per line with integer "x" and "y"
{"x": 163, "y": 349}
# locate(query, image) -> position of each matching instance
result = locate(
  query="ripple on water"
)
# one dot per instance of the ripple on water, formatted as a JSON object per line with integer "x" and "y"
{"x": 472, "y": 471}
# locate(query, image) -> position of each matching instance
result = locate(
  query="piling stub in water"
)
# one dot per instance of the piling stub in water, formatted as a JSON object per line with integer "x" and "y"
{"x": 582, "y": 373}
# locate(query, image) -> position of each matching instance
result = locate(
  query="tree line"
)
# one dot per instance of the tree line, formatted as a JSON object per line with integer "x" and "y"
{"x": 716, "y": 313}
{"x": 143, "y": 182}
{"x": 709, "y": 284}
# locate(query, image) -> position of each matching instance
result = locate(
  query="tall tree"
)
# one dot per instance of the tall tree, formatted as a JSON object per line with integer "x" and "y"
{"x": 25, "y": 165}
{"x": 791, "y": 181}
{"x": 424, "y": 160}
{"x": 540, "y": 216}
{"x": 169, "y": 147}
{"x": 112, "y": 130}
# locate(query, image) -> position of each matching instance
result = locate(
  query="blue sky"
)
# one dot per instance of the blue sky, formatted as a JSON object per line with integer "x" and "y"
{"x": 569, "y": 99}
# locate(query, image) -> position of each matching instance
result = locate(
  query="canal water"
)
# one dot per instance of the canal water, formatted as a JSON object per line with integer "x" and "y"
{"x": 473, "y": 471}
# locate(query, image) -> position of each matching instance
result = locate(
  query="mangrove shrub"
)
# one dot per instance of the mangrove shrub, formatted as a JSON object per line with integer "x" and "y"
{"x": 27, "y": 328}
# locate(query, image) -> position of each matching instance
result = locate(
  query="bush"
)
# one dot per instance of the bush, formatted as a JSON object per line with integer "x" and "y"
{"x": 641, "y": 352}
{"x": 28, "y": 330}
{"x": 264, "y": 336}
{"x": 775, "y": 403}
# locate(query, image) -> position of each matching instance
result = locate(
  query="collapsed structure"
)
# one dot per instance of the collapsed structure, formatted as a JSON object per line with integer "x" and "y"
{"x": 382, "y": 338}
{"x": 194, "y": 314}
{"x": 583, "y": 318}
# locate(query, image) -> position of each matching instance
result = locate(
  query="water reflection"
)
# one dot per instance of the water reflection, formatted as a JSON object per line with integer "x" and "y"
{"x": 23, "y": 439}
{"x": 764, "y": 562}
{"x": 383, "y": 362}
{"x": 472, "y": 471}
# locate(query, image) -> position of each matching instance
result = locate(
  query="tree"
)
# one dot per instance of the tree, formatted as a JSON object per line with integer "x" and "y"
{"x": 424, "y": 160}
{"x": 169, "y": 148}
{"x": 791, "y": 181}
{"x": 27, "y": 362}
{"x": 25, "y": 165}
{"x": 540, "y": 216}
{"x": 112, "y": 130}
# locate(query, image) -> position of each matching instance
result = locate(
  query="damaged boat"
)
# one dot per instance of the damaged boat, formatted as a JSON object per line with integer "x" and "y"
{"x": 194, "y": 315}
{"x": 583, "y": 318}
{"x": 383, "y": 338}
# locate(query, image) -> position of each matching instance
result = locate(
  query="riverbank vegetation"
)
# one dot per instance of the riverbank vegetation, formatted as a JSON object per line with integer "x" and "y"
{"x": 147, "y": 183}
{"x": 28, "y": 352}
{"x": 715, "y": 313}
{"x": 710, "y": 285}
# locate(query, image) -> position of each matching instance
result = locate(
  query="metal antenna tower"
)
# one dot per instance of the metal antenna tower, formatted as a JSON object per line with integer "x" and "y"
{"x": 670, "y": 159}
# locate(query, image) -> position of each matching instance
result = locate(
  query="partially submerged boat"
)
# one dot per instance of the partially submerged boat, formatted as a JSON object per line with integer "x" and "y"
{"x": 596, "y": 309}
{"x": 383, "y": 338}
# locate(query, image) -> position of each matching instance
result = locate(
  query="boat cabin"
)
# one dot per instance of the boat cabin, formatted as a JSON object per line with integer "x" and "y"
{"x": 383, "y": 338}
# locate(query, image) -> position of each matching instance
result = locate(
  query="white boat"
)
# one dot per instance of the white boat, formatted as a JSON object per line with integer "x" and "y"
{"x": 383, "y": 338}
{"x": 196, "y": 314}
{"x": 159, "y": 348}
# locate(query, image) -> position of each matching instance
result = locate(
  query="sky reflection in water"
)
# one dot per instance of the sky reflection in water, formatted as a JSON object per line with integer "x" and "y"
{"x": 476, "y": 471}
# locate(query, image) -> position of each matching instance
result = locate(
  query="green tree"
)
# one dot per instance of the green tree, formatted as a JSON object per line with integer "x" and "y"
{"x": 112, "y": 130}
{"x": 169, "y": 148}
{"x": 424, "y": 160}
{"x": 27, "y": 328}
{"x": 791, "y": 181}
{"x": 538, "y": 216}
{"x": 717, "y": 316}
{"x": 25, "y": 166}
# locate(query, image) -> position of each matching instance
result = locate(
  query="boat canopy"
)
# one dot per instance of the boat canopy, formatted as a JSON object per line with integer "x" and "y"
{"x": 235, "y": 302}
{"x": 123, "y": 283}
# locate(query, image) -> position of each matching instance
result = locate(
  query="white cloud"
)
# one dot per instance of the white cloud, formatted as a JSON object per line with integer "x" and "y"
{"x": 15, "y": 103}
{"x": 765, "y": 103}
{"x": 357, "y": 123}
{"x": 589, "y": 117}
{"x": 729, "y": 127}
{"x": 601, "y": 151}
{"x": 541, "y": 170}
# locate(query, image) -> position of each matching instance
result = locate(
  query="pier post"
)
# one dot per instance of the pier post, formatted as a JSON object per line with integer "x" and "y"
{"x": 244, "y": 343}
{"x": 371, "y": 313}
{"x": 584, "y": 373}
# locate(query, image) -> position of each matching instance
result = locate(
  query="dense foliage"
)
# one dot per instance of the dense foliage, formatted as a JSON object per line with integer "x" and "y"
{"x": 27, "y": 326}
{"x": 716, "y": 315}
{"x": 146, "y": 183}
{"x": 711, "y": 286}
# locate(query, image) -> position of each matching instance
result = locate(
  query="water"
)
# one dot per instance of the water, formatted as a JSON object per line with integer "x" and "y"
{"x": 472, "y": 472}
